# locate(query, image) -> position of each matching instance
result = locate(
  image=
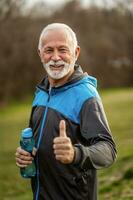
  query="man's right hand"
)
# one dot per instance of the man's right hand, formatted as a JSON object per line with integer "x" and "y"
{"x": 23, "y": 158}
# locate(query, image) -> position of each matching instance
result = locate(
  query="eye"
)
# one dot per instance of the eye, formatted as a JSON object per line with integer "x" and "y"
{"x": 48, "y": 50}
{"x": 63, "y": 50}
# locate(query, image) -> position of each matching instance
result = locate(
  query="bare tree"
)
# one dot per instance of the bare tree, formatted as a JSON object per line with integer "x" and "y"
{"x": 11, "y": 8}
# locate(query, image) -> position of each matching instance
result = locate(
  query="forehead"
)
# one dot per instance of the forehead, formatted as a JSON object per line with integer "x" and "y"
{"x": 56, "y": 37}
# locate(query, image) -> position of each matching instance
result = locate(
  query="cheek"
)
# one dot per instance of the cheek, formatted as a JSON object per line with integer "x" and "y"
{"x": 44, "y": 58}
{"x": 67, "y": 58}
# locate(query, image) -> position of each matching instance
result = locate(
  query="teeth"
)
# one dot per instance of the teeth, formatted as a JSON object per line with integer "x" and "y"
{"x": 56, "y": 66}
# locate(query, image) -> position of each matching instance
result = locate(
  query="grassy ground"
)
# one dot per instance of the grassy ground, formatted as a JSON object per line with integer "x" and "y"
{"x": 12, "y": 120}
{"x": 115, "y": 183}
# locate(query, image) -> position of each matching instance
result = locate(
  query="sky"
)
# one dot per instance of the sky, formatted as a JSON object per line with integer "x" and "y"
{"x": 56, "y": 3}
{"x": 50, "y": 2}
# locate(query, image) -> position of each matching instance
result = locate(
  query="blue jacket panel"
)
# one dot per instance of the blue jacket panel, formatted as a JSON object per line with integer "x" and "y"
{"x": 68, "y": 100}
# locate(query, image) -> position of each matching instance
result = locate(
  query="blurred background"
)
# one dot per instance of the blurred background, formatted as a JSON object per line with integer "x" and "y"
{"x": 104, "y": 30}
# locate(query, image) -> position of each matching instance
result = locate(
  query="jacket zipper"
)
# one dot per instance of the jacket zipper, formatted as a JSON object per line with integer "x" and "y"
{"x": 38, "y": 143}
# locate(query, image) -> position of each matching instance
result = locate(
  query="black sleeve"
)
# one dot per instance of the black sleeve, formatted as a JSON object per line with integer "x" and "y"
{"x": 100, "y": 150}
{"x": 30, "y": 119}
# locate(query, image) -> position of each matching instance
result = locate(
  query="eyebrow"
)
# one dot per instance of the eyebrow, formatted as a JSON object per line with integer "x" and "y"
{"x": 62, "y": 46}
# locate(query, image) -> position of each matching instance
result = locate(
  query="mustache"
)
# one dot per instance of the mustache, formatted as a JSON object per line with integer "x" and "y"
{"x": 55, "y": 63}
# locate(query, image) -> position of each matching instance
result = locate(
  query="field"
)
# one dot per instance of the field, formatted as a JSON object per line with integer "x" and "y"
{"x": 115, "y": 183}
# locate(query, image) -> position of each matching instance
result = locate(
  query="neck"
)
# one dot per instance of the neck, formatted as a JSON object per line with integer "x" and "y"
{"x": 59, "y": 82}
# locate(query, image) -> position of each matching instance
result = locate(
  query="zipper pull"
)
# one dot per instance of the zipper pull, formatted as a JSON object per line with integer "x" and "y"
{"x": 49, "y": 93}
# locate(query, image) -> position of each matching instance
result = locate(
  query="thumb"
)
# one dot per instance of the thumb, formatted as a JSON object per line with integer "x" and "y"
{"x": 34, "y": 151}
{"x": 62, "y": 129}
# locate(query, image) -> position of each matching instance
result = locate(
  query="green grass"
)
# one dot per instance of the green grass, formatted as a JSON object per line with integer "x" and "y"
{"x": 12, "y": 120}
{"x": 115, "y": 183}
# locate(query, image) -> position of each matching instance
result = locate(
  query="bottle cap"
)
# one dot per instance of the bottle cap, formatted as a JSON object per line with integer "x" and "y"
{"x": 27, "y": 133}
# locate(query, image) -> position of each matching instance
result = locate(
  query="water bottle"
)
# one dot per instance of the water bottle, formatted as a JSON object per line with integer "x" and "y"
{"x": 27, "y": 143}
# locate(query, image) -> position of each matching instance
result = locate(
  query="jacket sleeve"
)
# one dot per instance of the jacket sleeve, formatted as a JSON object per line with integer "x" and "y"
{"x": 99, "y": 150}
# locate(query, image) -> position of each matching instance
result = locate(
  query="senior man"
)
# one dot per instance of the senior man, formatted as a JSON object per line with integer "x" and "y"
{"x": 70, "y": 128}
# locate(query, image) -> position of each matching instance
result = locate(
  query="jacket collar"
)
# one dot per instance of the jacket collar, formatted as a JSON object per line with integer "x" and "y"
{"x": 76, "y": 76}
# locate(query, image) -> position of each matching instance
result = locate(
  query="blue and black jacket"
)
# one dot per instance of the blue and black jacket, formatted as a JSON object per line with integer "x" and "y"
{"x": 79, "y": 104}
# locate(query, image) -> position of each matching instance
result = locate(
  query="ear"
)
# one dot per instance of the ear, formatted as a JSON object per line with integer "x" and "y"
{"x": 77, "y": 52}
{"x": 39, "y": 53}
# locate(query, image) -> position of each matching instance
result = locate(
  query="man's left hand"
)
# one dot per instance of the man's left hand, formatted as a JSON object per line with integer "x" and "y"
{"x": 62, "y": 145}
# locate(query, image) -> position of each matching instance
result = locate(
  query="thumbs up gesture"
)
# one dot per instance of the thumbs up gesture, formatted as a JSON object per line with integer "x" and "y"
{"x": 62, "y": 145}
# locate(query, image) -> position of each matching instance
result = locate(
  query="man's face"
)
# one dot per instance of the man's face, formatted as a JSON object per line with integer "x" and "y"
{"x": 58, "y": 54}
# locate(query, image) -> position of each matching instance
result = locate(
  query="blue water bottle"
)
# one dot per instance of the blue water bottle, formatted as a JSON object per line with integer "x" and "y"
{"x": 27, "y": 143}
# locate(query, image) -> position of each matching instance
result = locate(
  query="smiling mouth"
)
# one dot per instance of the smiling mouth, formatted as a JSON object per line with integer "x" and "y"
{"x": 56, "y": 67}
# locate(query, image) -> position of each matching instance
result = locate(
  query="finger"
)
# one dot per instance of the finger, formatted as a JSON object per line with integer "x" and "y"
{"x": 62, "y": 159}
{"x": 59, "y": 157}
{"x": 61, "y": 152}
{"x": 22, "y": 151}
{"x": 61, "y": 140}
{"x": 34, "y": 151}
{"x": 26, "y": 158}
{"x": 62, "y": 129}
{"x": 22, "y": 162}
{"x": 21, "y": 166}
{"x": 62, "y": 146}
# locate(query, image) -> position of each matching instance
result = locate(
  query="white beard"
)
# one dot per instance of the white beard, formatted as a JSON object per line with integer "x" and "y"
{"x": 58, "y": 74}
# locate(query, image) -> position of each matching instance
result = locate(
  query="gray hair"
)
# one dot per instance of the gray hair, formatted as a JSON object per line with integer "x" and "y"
{"x": 58, "y": 26}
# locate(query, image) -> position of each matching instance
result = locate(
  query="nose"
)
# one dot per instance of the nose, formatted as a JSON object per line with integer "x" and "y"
{"x": 55, "y": 56}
